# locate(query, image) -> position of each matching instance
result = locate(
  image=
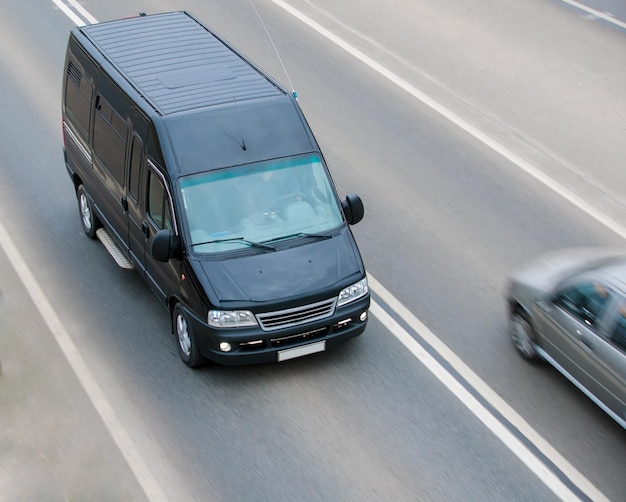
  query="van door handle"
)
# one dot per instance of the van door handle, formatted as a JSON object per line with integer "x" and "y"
{"x": 124, "y": 202}
{"x": 145, "y": 229}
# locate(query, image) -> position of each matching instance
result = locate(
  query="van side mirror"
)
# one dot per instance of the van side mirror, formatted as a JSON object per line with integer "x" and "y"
{"x": 164, "y": 245}
{"x": 353, "y": 208}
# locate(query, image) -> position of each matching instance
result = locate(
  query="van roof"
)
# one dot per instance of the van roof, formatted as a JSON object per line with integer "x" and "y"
{"x": 177, "y": 63}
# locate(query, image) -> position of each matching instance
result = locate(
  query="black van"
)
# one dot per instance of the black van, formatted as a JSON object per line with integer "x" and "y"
{"x": 197, "y": 169}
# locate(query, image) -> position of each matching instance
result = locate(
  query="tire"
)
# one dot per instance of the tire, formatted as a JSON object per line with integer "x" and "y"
{"x": 523, "y": 336}
{"x": 185, "y": 341}
{"x": 88, "y": 219}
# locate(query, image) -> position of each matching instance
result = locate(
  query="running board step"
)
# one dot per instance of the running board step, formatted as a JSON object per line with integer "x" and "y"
{"x": 118, "y": 255}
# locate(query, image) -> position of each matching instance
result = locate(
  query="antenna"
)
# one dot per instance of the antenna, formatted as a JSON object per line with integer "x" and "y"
{"x": 293, "y": 91}
{"x": 243, "y": 141}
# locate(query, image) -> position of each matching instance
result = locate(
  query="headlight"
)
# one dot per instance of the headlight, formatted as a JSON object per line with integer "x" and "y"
{"x": 351, "y": 293}
{"x": 231, "y": 319}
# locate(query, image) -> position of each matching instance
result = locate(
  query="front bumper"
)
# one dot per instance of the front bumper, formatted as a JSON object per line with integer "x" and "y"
{"x": 254, "y": 345}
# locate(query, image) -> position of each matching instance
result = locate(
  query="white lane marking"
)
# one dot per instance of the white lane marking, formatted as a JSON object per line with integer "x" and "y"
{"x": 458, "y": 121}
{"x": 596, "y": 13}
{"x": 518, "y": 448}
{"x": 553, "y": 482}
{"x": 498, "y": 403}
{"x": 85, "y": 377}
{"x": 492, "y": 423}
{"x": 82, "y": 11}
{"x": 69, "y": 12}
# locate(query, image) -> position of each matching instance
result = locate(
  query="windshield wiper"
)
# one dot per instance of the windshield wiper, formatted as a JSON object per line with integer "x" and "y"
{"x": 253, "y": 244}
{"x": 301, "y": 234}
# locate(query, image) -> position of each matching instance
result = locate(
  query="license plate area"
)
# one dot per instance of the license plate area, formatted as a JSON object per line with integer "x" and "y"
{"x": 302, "y": 350}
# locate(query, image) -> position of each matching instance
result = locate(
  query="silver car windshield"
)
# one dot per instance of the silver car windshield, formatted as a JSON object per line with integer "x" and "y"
{"x": 249, "y": 205}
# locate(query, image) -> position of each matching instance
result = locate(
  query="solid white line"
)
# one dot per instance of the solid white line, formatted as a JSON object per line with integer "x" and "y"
{"x": 596, "y": 13}
{"x": 82, "y": 11}
{"x": 122, "y": 439}
{"x": 498, "y": 403}
{"x": 549, "y": 478}
{"x": 458, "y": 121}
{"x": 525, "y": 455}
{"x": 493, "y": 424}
{"x": 77, "y": 363}
{"x": 69, "y": 13}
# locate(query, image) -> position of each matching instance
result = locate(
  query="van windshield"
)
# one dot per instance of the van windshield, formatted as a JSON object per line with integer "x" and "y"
{"x": 254, "y": 204}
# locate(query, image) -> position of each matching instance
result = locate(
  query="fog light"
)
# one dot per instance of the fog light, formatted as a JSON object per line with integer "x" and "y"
{"x": 363, "y": 316}
{"x": 225, "y": 347}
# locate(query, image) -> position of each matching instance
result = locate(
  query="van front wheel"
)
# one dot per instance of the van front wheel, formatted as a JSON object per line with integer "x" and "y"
{"x": 88, "y": 219}
{"x": 185, "y": 341}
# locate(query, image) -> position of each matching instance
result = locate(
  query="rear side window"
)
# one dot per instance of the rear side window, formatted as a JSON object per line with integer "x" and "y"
{"x": 110, "y": 133}
{"x": 78, "y": 93}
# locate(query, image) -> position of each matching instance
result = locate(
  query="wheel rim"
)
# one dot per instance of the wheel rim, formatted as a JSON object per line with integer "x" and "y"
{"x": 184, "y": 340}
{"x": 522, "y": 339}
{"x": 85, "y": 211}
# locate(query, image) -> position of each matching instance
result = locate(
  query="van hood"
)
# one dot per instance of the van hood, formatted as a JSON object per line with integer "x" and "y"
{"x": 275, "y": 276}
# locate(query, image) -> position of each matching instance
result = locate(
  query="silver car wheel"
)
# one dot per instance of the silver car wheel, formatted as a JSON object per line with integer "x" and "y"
{"x": 182, "y": 331}
{"x": 522, "y": 336}
{"x": 188, "y": 349}
{"x": 85, "y": 211}
{"x": 88, "y": 218}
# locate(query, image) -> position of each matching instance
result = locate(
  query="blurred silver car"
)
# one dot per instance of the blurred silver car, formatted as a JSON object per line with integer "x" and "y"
{"x": 569, "y": 308}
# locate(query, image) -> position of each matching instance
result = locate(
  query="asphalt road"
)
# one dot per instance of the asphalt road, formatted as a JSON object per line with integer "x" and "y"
{"x": 447, "y": 216}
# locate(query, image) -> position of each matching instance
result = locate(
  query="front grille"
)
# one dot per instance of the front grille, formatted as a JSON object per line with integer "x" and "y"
{"x": 299, "y": 315}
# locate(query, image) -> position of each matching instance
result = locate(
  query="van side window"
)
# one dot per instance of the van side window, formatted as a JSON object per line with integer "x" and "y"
{"x": 109, "y": 138}
{"x": 158, "y": 204}
{"x": 78, "y": 93}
